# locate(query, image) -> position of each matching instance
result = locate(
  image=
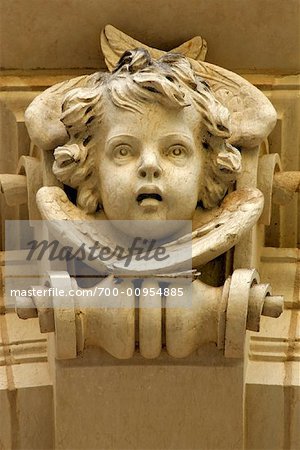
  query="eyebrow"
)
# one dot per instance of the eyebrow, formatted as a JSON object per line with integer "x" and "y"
{"x": 180, "y": 137}
{"x": 121, "y": 136}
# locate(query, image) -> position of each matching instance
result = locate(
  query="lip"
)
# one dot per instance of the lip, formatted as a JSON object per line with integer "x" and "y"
{"x": 148, "y": 190}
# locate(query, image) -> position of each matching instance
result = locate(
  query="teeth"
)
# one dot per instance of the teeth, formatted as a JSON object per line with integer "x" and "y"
{"x": 142, "y": 197}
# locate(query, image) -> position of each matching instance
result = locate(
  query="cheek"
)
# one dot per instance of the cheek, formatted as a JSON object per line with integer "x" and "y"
{"x": 189, "y": 177}
{"x": 114, "y": 183}
{"x": 198, "y": 171}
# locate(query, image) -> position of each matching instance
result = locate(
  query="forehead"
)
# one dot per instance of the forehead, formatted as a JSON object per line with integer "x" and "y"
{"x": 152, "y": 120}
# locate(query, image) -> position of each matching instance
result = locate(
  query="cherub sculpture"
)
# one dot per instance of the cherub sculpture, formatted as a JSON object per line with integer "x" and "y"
{"x": 158, "y": 139}
{"x": 149, "y": 141}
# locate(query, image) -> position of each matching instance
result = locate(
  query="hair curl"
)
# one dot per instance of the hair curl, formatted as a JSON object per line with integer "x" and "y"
{"x": 136, "y": 80}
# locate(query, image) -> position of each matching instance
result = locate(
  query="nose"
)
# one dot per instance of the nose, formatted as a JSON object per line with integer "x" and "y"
{"x": 149, "y": 166}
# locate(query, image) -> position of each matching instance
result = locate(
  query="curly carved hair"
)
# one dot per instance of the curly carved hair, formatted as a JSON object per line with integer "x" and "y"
{"x": 136, "y": 81}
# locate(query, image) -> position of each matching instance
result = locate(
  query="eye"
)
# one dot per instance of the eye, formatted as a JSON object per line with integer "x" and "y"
{"x": 122, "y": 151}
{"x": 177, "y": 151}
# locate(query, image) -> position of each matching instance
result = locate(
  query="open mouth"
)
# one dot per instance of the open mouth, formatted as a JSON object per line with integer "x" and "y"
{"x": 141, "y": 197}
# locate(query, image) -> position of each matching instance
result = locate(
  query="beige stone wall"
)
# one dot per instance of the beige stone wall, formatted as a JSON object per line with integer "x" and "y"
{"x": 247, "y": 35}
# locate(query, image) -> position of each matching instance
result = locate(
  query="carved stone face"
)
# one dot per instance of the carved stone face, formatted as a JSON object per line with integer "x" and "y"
{"x": 150, "y": 163}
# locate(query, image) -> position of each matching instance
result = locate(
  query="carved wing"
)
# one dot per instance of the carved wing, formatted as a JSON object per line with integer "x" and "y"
{"x": 252, "y": 115}
{"x": 114, "y": 43}
{"x": 42, "y": 117}
{"x": 71, "y": 225}
{"x": 237, "y": 214}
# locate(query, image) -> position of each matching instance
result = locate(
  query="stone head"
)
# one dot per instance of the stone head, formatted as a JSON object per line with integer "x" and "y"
{"x": 147, "y": 142}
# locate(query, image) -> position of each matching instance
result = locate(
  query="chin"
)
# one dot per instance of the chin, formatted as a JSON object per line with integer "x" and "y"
{"x": 151, "y": 227}
{"x": 152, "y": 222}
